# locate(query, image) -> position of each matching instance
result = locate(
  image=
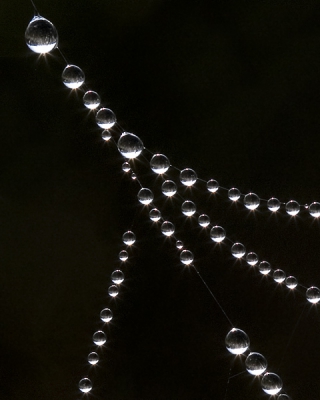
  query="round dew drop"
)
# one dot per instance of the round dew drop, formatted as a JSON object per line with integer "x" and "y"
{"x": 314, "y": 209}
{"x": 167, "y": 228}
{"x": 264, "y": 267}
{"x": 106, "y": 315}
{"x": 133, "y": 176}
{"x": 204, "y": 220}
{"x": 188, "y": 177}
{"x": 106, "y": 135}
{"x": 271, "y": 383}
{"x": 126, "y": 167}
{"x": 155, "y": 215}
{"x": 186, "y": 257}
{"x": 273, "y": 204}
{"x": 279, "y": 276}
{"x": 73, "y": 76}
{"x": 313, "y": 294}
{"x": 252, "y": 258}
{"x": 291, "y": 282}
{"x": 93, "y": 358}
{"x": 145, "y": 196}
{"x": 105, "y": 118}
{"x": 128, "y": 238}
{"x": 256, "y": 364}
{"x": 251, "y": 201}
{"x": 130, "y": 145}
{"x": 188, "y": 208}
{"x": 117, "y": 277}
{"x": 212, "y": 185}
{"x": 179, "y": 244}
{"x": 159, "y": 164}
{"x": 41, "y": 35}
{"x": 85, "y": 385}
{"x": 237, "y": 341}
{"x": 238, "y": 250}
{"x": 113, "y": 291}
{"x": 91, "y": 99}
{"x": 217, "y": 234}
{"x": 169, "y": 188}
{"x": 99, "y": 338}
{"x": 234, "y": 194}
{"x": 123, "y": 255}
{"x": 292, "y": 207}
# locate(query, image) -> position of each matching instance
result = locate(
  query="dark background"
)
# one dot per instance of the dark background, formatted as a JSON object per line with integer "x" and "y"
{"x": 229, "y": 88}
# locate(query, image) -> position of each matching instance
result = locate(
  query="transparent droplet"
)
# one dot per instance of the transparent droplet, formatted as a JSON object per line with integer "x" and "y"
{"x": 212, "y": 185}
{"x": 73, "y": 76}
{"x": 252, "y": 258}
{"x": 314, "y": 209}
{"x": 283, "y": 396}
{"x": 126, "y": 167}
{"x": 188, "y": 208}
{"x": 234, "y": 194}
{"x": 279, "y": 276}
{"x": 204, "y": 220}
{"x": 238, "y": 250}
{"x": 123, "y": 255}
{"x": 105, "y": 118}
{"x": 237, "y": 341}
{"x": 169, "y": 188}
{"x": 91, "y": 99}
{"x": 128, "y": 238}
{"x": 291, "y": 282}
{"x": 117, "y": 277}
{"x": 106, "y": 315}
{"x": 133, "y": 176}
{"x": 271, "y": 383}
{"x": 130, "y": 145}
{"x": 264, "y": 267}
{"x": 273, "y": 204}
{"x": 106, "y": 135}
{"x": 41, "y": 35}
{"x": 155, "y": 215}
{"x": 159, "y": 163}
{"x": 256, "y": 364}
{"x": 93, "y": 358}
{"x": 188, "y": 177}
{"x": 292, "y": 207}
{"x": 167, "y": 228}
{"x": 251, "y": 201}
{"x": 217, "y": 234}
{"x": 313, "y": 294}
{"x": 145, "y": 196}
{"x": 85, "y": 385}
{"x": 113, "y": 290}
{"x": 186, "y": 257}
{"x": 179, "y": 244}
{"x": 99, "y": 338}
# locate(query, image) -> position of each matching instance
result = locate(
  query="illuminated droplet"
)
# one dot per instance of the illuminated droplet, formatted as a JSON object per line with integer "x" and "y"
{"x": 279, "y": 276}
{"x": 99, "y": 338}
{"x": 167, "y": 228}
{"x": 271, "y": 383}
{"x": 41, "y": 35}
{"x": 85, "y": 385}
{"x": 252, "y": 258}
{"x": 292, "y": 207}
{"x": 234, "y": 194}
{"x": 273, "y": 204}
{"x": 113, "y": 290}
{"x": 106, "y": 315}
{"x": 212, "y": 185}
{"x": 291, "y": 282}
{"x": 179, "y": 244}
{"x": 188, "y": 177}
{"x": 256, "y": 363}
{"x": 130, "y": 145}
{"x": 159, "y": 163}
{"x": 238, "y": 250}
{"x": 264, "y": 267}
{"x": 145, "y": 196}
{"x": 128, "y": 238}
{"x": 251, "y": 201}
{"x": 186, "y": 257}
{"x": 314, "y": 209}
{"x": 133, "y": 176}
{"x": 237, "y": 341}
{"x": 313, "y": 294}
{"x": 217, "y": 234}
{"x": 91, "y": 99}
{"x": 155, "y": 215}
{"x": 123, "y": 255}
{"x": 283, "y": 396}
{"x": 117, "y": 277}
{"x": 93, "y": 358}
{"x": 169, "y": 188}
{"x": 73, "y": 76}
{"x": 106, "y": 135}
{"x": 204, "y": 220}
{"x": 105, "y": 118}
{"x": 126, "y": 167}
{"x": 188, "y": 208}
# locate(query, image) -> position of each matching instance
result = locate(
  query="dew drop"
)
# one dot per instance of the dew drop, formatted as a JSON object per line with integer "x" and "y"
{"x": 130, "y": 145}
{"x": 186, "y": 257}
{"x": 237, "y": 341}
{"x": 93, "y": 358}
{"x": 188, "y": 177}
{"x": 264, "y": 267}
{"x": 252, "y": 258}
{"x": 212, "y": 185}
{"x": 204, "y": 220}
{"x": 159, "y": 163}
{"x": 238, "y": 250}
{"x": 313, "y": 294}
{"x": 256, "y": 363}
{"x": 217, "y": 234}
{"x": 117, "y": 277}
{"x": 279, "y": 276}
{"x": 123, "y": 255}
{"x": 145, "y": 196}
{"x": 271, "y": 383}
{"x": 292, "y": 207}
{"x": 91, "y": 99}
{"x": 113, "y": 290}
{"x": 314, "y": 209}
{"x": 99, "y": 338}
{"x": 169, "y": 188}
{"x": 128, "y": 238}
{"x": 105, "y": 118}
{"x": 167, "y": 228}
{"x": 155, "y": 215}
{"x": 291, "y": 282}
{"x": 273, "y": 204}
{"x": 251, "y": 201}
{"x": 106, "y": 315}
{"x": 41, "y": 35}
{"x": 73, "y": 76}
{"x": 188, "y": 208}
{"x": 234, "y": 194}
{"x": 85, "y": 385}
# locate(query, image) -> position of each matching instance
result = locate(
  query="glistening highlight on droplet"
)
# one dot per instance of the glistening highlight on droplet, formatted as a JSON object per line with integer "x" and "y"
{"x": 41, "y": 35}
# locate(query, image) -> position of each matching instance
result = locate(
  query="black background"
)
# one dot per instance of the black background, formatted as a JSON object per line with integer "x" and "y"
{"x": 229, "y": 88}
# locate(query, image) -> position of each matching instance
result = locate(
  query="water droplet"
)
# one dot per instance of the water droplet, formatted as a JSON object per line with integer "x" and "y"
{"x": 85, "y": 385}
{"x": 105, "y": 118}
{"x": 169, "y": 188}
{"x": 106, "y": 315}
{"x": 188, "y": 177}
{"x": 179, "y": 244}
{"x": 188, "y": 208}
{"x": 204, "y": 220}
{"x": 130, "y": 145}
{"x": 238, "y": 250}
{"x": 212, "y": 185}
{"x": 128, "y": 238}
{"x": 73, "y": 76}
{"x": 41, "y": 35}
{"x": 133, "y": 176}
{"x": 145, "y": 196}
{"x": 159, "y": 163}
{"x": 234, "y": 194}
{"x": 314, "y": 209}
{"x": 264, "y": 267}
{"x": 217, "y": 234}
{"x": 113, "y": 290}
{"x": 155, "y": 215}
{"x": 126, "y": 167}
{"x": 283, "y": 396}
{"x": 256, "y": 363}
{"x": 91, "y": 99}
{"x": 292, "y": 207}
{"x": 251, "y": 201}
{"x": 117, "y": 277}
{"x": 313, "y": 294}
{"x": 252, "y": 258}
{"x": 291, "y": 282}
{"x": 93, "y": 358}
{"x": 279, "y": 276}
{"x": 186, "y": 257}
{"x": 99, "y": 338}
{"x": 106, "y": 135}
{"x": 167, "y": 228}
{"x": 237, "y": 341}
{"x": 273, "y": 204}
{"x": 271, "y": 383}
{"x": 123, "y": 255}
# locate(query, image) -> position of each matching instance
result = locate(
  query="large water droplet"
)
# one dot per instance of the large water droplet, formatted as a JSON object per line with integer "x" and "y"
{"x": 251, "y": 201}
{"x": 123, "y": 255}
{"x": 85, "y": 385}
{"x": 212, "y": 185}
{"x": 238, "y": 250}
{"x": 128, "y": 238}
{"x": 291, "y": 282}
{"x": 234, "y": 194}
{"x": 273, "y": 204}
{"x": 93, "y": 358}
{"x": 204, "y": 220}
{"x": 73, "y": 76}
{"x": 271, "y": 383}
{"x": 279, "y": 276}
{"x": 167, "y": 228}
{"x": 99, "y": 338}
{"x": 113, "y": 291}
{"x": 106, "y": 315}
{"x": 292, "y": 207}
{"x": 105, "y": 118}
{"x": 313, "y": 294}
{"x": 188, "y": 177}
{"x": 169, "y": 188}
{"x": 91, "y": 99}
{"x": 237, "y": 341}
{"x": 145, "y": 196}
{"x": 186, "y": 257}
{"x": 41, "y": 35}
{"x": 256, "y": 364}
{"x": 188, "y": 208}
{"x": 159, "y": 163}
{"x": 264, "y": 267}
{"x": 130, "y": 145}
{"x": 314, "y": 209}
{"x": 117, "y": 277}
{"x": 252, "y": 258}
{"x": 217, "y": 234}
{"x": 155, "y": 215}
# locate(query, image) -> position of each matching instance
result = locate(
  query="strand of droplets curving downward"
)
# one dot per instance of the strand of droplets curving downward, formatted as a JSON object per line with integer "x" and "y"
{"x": 42, "y": 37}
